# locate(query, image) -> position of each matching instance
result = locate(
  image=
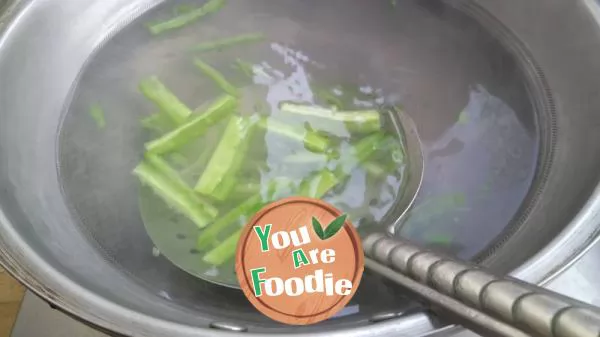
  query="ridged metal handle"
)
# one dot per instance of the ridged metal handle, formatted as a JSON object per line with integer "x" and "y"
{"x": 530, "y": 308}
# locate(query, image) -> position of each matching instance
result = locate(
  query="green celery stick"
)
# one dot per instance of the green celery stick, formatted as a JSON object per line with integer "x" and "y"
{"x": 196, "y": 127}
{"x": 393, "y": 149}
{"x": 385, "y": 147}
{"x": 319, "y": 185}
{"x": 165, "y": 169}
{"x": 324, "y": 181}
{"x": 97, "y": 114}
{"x": 230, "y": 180}
{"x": 228, "y": 42}
{"x": 305, "y": 158}
{"x": 208, "y": 236}
{"x": 185, "y": 203}
{"x": 160, "y": 95}
{"x": 227, "y": 158}
{"x": 359, "y": 116}
{"x": 312, "y": 140}
{"x": 360, "y": 121}
{"x": 367, "y": 146}
{"x": 186, "y": 18}
{"x": 375, "y": 169}
{"x": 245, "y": 67}
{"x": 158, "y": 122}
{"x": 369, "y": 126}
{"x": 225, "y": 188}
{"x": 217, "y": 77}
{"x": 253, "y": 204}
{"x": 225, "y": 251}
{"x": 364, "y": 148}
{"x": 361, "y": 152}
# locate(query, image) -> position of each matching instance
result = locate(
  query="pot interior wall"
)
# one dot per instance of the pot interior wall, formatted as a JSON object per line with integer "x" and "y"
{"x": 497, "y": 144}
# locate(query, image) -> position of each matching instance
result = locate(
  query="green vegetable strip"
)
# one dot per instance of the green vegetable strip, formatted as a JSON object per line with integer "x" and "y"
{"x": 227, "y": 158}
{"x": 252, "y": 205}
{"x": 217, "y": 77}
{"x": 209, "y": 235}
{"x": 312, "y": 140}
{"x": 196, "y": 127}
{"x": 375, "y": 169}
{"x": 158, "y": 122}
{"x": 319, "y": 185}
{"x": 367, "y": 146}
{"x": 165, "y": 169}
{"x": 160, "y": 95}
{"x": 228, "y": 42}
{"x": 245, "y": 67}
{"x": 369, "y": 126}
{"x": 305, "y": 158}
{"x": 225, "y": 188}
{"x": 223, "y": 252}
{"x": 361, "y": 152}
{"x": 186, "y": 18}
{"x": 230, "y": 181}
{"x": 360, "y": 116}
{"x": 185, "y": 203}
{"x": 361, "y": 121}
{"x": 324, "y": 181}
{"x": 97, "y": 114}
{"x": 392, "y": 148}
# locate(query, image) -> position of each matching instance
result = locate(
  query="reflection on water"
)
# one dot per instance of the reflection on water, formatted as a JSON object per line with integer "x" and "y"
{"x": 476, "y": 175}
{"x": 366, "y": 179}
{"x": 461, "y": 88}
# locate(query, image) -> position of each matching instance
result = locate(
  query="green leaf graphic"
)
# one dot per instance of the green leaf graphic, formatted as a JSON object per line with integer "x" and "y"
{"x": 318, "y": 229}
{"x": 335, "y": 226}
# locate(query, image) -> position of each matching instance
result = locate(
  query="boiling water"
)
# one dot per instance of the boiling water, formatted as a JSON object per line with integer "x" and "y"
{"x": 461, "y": 88}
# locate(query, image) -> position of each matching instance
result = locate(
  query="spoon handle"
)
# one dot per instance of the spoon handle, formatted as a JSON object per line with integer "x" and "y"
{"x": 502, "y": 306}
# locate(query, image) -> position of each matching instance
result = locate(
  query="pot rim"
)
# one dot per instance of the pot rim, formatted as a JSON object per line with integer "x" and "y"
{"x": 55, "y": 288}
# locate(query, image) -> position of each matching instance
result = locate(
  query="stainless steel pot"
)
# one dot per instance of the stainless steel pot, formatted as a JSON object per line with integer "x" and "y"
{"x": 44, "y": 44}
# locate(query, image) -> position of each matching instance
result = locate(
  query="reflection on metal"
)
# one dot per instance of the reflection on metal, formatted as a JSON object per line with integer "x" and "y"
{"x": 228, "y": 327}
{"x": 479, "y": 300}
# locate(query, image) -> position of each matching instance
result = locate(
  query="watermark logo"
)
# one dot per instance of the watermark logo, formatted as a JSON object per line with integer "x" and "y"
{"x": 299, "y": 261}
